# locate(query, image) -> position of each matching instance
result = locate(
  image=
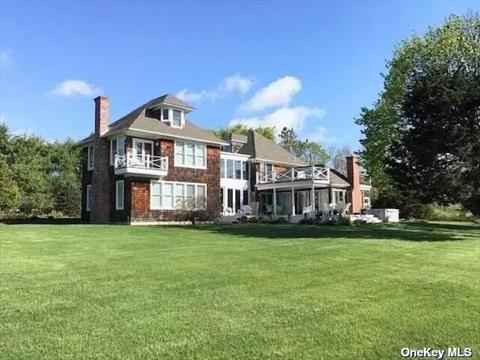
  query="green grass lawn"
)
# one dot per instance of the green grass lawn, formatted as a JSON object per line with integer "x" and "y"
{"x": 237, "y": 292}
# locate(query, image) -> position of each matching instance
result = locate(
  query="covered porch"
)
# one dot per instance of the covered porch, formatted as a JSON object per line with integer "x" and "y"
{"x": 301, "y": 190}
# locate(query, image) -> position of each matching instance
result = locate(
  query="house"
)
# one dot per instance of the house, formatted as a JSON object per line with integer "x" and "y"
{"x": 148, "y": 164}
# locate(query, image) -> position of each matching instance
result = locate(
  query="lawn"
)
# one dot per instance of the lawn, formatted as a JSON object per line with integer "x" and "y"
{"x": 237, "y": 292}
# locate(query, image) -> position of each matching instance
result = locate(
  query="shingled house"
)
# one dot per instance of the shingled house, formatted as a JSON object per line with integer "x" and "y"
{"x": 144, "y": 166}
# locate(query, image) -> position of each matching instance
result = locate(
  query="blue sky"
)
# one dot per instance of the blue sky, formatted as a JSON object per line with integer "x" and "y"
{"x": 310, "y": 65}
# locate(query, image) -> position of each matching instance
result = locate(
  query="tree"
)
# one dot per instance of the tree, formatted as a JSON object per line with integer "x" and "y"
{"x": 10, "y": 193}
{"x": 242, "y": 129}
{"x": 309, "y": 151}
{"x": 38, "y": 177}
{"x": 438, "y": 150}
{"x": 338, "y": 158}
{"x": 421, "y": 135}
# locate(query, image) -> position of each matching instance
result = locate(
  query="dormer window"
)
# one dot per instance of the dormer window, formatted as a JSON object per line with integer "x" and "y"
{"x": 177, "y": 118}
{"x": 174, "y": 117}
{"x": 165, "y": 114}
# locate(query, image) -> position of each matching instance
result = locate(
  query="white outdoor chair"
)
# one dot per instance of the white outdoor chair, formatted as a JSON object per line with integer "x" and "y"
{"x": 247, "y": 210}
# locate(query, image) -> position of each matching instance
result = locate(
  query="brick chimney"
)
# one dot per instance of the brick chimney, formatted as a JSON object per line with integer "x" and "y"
{"x": 353, "y": 175}
{"x": 102, "y": 105}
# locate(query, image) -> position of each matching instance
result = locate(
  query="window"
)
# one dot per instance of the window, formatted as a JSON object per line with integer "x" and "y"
{"x": 167, "y": 197}
{"x": 177, "y": 118}
{"x": 90, "y": 157}
{"x": 190, "y": 154}
{"x": 245, "y": 170}
{"x": 156, "y": 195}
{"x": 119, "y": 194}
{"x": 179, "y": 197}
{"x": 118, "y": 149}
{"x": 172, "y": 195}
{"x": 229, "y": 169}
{"x": 238, "y": 169}
{"x": 165, "y": 114}
{"x": 222, "y": 168}
{"x": 88, "y": 200}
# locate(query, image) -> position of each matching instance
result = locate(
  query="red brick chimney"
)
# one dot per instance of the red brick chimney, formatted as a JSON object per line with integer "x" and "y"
{"x": 102, "y": 105}
{"x": 353, "y": 174}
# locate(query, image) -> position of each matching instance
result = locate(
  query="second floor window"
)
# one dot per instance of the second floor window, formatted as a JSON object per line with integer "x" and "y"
{"x": 90, "y": 157}
{"x": 190, "y": 154}
{"x": 233, "y": 169}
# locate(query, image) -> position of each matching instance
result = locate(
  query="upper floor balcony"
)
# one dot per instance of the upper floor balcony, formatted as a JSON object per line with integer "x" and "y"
{"x": 144, "y": 165}
{"x": 316, "y": 174}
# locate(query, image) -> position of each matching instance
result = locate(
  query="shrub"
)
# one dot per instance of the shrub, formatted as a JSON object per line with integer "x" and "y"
{"x": 359, "y": 222}
{"x": 307, "y": 221}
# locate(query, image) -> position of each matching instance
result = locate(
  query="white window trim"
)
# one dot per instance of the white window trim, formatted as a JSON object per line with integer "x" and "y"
{"x": 170, "y": 117}
{"x": 204, "y": 167}
{"x": 119, "y": 206}
{"x": 144, "y": 141}
{"x": 174, "y": 184}
{"x": 90, "y": 156}
{"x": 88, "y": 199}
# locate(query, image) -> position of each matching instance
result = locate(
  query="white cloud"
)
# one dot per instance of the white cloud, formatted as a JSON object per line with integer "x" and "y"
{"x": 6, "y": 57}
{"x": 203, "y": 95}
{"x": 70, "y": 88}
{"x": 278, "y": 93}
{"x": 284, "y": 117}
{"x": 322, "y": 136}
{"x": 232, "y": 83}
{"x": 237, "y": 82}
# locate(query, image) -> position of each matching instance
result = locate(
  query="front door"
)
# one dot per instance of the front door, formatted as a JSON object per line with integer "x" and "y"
{"x": 142, "y": 152}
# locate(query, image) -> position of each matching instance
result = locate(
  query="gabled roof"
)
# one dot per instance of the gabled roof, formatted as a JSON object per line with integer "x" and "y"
{"x": 137, "y": 120}
{"x": 259, "y": 147}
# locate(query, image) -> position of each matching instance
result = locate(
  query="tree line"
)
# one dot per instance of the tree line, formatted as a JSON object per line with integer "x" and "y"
{"x": 38, "y": 177}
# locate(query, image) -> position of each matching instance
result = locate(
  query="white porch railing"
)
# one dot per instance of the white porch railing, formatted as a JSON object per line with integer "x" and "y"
{"x": 294, "y": 174}
{"x": 141, "y": 162}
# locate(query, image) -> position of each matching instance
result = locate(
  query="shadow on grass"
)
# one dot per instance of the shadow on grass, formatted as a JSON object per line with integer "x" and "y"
{"x": 406, "y": 232}
{"x": 42, "y": 221}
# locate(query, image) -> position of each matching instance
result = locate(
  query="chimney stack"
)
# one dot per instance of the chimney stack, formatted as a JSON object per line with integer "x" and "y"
{"x": 101, "y": 115}
{"x": 353, "y": 175}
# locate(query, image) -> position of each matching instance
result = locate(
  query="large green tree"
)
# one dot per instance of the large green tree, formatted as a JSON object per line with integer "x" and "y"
{"x": 438, "y": 150}
{"x": 421, "y": 135}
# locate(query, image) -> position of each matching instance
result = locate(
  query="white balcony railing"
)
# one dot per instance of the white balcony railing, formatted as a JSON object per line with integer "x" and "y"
{"x": 141, "y": 164}
{"x": 315, "y": 173}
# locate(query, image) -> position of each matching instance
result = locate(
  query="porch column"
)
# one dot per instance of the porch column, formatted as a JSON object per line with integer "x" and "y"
{"x": 293, "y": 201}
{"x": 313, "y": 197}
{"x": 274, "y": 201}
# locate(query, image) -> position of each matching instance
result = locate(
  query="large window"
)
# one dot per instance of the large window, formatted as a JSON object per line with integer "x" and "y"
{"x": 119, "y": 194}
{"x": 175, "y": 195}
{"x": 233, "y": 169}
{"x": 190, "y": 154}
{"x": 90, "y": 157}
{"x": 88, "y": 200}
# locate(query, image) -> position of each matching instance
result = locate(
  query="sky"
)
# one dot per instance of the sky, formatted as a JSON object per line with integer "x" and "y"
{"x": 307, "y": 65}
